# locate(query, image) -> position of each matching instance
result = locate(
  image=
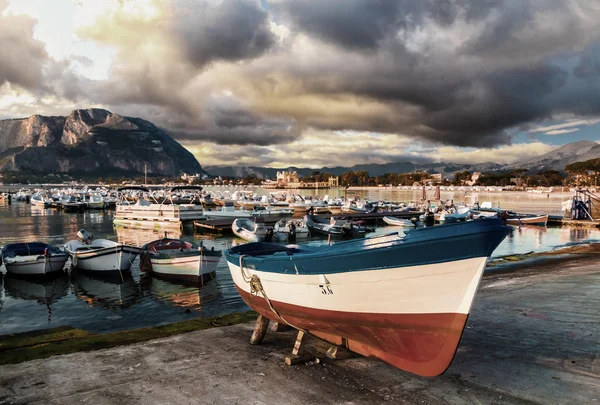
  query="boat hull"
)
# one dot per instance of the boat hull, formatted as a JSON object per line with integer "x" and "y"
{"x": 117, "y": 258}
{"x": 541, "y": 220}
{"x": 37, "y": 266}
{"x": 410, "y": 317}
{"x": 191, "y": 268}
{"x": 403, "y": 298}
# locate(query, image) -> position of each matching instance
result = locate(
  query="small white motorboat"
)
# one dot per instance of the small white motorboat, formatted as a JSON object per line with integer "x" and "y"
{"x": 95, "y": 202}
{"x": 40, "y": 200}
{"x": 407, "y": 223}
{"x": 33, "y": 258}
{"x": 179, "y": 260}
{"x": 291, "y": 228}
{"x": 92, "y": 254}
{"x": 250, "y": 230}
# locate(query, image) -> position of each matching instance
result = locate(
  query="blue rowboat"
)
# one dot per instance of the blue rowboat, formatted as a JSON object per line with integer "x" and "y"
{"x": 403, "y": 298}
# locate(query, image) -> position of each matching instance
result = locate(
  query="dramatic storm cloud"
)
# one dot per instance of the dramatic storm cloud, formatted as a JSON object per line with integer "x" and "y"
{"x": 232, "y": 30}
{"x": 452, "y": 73}
{"x": 21, "y": 56}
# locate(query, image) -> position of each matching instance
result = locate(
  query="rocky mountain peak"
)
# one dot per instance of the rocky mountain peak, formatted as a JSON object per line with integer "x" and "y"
{"x": 80, "y": 123}
{"x": 91, "y": 140}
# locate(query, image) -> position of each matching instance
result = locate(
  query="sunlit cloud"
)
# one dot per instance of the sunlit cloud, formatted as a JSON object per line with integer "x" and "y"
{"x": 565, "y": 127}
{"x": 314, "y": 83}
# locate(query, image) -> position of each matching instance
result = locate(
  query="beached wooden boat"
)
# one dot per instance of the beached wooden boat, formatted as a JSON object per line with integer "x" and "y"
{"x": 179, "y": 260}
{"x": 404, "y": 298}
{"x": 407, "y": 223}
{"x": 33, "y": 259}
{"x": 539, "y": 220}
{"x": 100, "y": 254}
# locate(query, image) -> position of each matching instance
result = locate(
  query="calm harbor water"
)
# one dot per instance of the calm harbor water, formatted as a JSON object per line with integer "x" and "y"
{"x": 105, "y": 305}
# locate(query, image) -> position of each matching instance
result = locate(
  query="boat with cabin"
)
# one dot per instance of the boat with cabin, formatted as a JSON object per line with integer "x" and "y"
{"x": 134, "y": 209}
{"x": 403, "y": 297}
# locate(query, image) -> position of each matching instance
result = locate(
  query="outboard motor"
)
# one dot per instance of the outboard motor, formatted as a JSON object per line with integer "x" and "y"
{"x": 85, "y": 236}
{"x": 429, "y": 219}
{"x": 269, "y": 235}
{"x": 292, "y": 233}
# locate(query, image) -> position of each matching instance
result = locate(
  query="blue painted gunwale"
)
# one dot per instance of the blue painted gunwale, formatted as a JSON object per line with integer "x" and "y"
{"x": 30, "y": 249}
{"x": 439, "y": 244}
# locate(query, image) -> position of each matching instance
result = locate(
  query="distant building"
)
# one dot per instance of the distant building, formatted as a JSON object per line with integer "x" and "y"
{"x": 474, "y": 177}
{"x": 291, "y": 180}
{"x": 284, "y": 178}
{"x": 189, "y": 178}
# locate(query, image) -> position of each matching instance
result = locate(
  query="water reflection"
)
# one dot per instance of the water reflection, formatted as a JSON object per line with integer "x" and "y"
{"x": 577, "y": 234}
{"x": 105, "y": 291}
{"x": 139, "y": 237}
{"x": 533, "y": 233}
{"x": 44, "y": 292}
{"x": 182, "y": 295}
{"x": 104, "y": 305}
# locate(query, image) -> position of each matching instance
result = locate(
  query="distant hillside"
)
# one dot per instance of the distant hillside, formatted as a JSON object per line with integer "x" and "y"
{"x": 92, "y": 141}
{"x": 560, "y": 157}
{"x": 373, "y": 169}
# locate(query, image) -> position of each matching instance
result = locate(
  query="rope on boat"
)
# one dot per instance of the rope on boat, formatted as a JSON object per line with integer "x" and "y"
{"x": 256, "y": 288}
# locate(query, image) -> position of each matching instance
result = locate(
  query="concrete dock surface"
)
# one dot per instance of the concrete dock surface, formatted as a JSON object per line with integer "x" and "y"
{"x": 533, "y": 336}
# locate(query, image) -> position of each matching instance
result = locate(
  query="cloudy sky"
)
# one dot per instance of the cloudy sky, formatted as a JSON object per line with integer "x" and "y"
{"x": 316, "y": 82}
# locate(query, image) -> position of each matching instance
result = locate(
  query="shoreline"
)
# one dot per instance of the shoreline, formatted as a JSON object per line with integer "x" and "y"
{"x": 531, "y": 338}
{"x": 43, "y": 343}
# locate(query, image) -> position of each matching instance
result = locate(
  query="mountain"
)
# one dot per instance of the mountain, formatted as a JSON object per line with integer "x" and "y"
{"x": 447, "y": 169}
{"x": 560, "y": 157}
{"x": 94, "y": 142}
{"x": 554, "y": 160}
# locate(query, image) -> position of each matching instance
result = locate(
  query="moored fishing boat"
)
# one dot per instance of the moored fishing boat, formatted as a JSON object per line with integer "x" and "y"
{"x": 407, "y": 223}
{"x": 250, "y": 230}
{"x": 518, "y": 220}
{"x": 179, "y": 260}
{"x": 335, "y": 227}
{"x": 100, "y": 254}
{"x": 401, "y": 298}
{"x": 291, "y": 228}
{"x": 33, "y": 259}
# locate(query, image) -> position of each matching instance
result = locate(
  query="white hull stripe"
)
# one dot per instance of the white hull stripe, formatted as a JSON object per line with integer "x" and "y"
{"x": 433, "y": 288}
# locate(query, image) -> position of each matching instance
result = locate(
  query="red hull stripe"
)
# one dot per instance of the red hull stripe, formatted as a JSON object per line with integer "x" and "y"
{"x": 423, "y": 344}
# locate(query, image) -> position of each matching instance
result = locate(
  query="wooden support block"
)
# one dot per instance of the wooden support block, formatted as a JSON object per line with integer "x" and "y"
{"x": 339, "y": 353}
{"x": 293, "y": 360}
{"x": 280, "y": 327}
{"x": 260, "y": 330}
{"x": 298, "y": 349}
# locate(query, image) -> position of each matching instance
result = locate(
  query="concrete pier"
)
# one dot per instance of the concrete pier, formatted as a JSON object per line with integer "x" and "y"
{"x": 533, "y": 337}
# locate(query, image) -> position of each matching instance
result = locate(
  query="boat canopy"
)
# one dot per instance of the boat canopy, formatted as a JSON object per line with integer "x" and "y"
{"x": 188, "y": 187}
{"x": 134, "y": 188}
